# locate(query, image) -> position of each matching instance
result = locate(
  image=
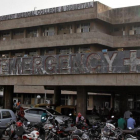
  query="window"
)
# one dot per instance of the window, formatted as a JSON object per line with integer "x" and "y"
{"x": 65, "y": 51}
{"x": 40, "y": 112}
{"x": 53, "y": 112}
{"x": 5, "y": 55}
{"x": 50, "y": 51}
{"x": 84, "y": 49}
{"x": 116, "y": 29}
{"x": 32, "y": 33}
{"x": 18, "y": 32}
{"x": 32, "y": 111}
{"x": 33, "y": 53}
{"x": 18, "y": 54}
{"x": 83, "y": 28}
{"x": 6, "y": 34}
{"x": 49, "y": 31}
{"x": 6, "y": 114}
{"x": 64, "y": 99}
{"x": 88, "y": 101}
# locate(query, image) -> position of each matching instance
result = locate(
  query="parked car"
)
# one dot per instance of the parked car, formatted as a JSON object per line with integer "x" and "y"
{"x": 34, "y": 115}
{"x": 6, "y": 115}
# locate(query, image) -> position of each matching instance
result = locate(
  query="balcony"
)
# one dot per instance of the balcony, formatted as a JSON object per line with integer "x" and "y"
{"x": 58, "y": 40}
{"x": 126, "y": 41}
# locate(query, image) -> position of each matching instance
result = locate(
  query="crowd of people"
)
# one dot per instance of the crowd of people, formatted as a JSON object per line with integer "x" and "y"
{"x": 125, "y": 121}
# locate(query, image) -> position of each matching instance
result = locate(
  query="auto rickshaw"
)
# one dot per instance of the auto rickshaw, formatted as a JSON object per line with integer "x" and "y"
{"x": 68, "y": 110}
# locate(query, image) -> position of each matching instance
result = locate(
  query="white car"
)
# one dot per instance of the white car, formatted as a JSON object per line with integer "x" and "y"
{"x": 34, "y": 115}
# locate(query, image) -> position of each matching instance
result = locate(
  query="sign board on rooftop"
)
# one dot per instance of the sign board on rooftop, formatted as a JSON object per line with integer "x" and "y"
{"x": 48, "y": 11}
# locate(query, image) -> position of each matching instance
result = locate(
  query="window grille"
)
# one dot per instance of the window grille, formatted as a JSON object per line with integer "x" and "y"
{"x": 65, "y": 51}
{"x": 84, "y": 49}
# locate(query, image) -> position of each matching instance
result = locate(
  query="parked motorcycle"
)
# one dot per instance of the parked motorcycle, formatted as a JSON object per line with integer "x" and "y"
{"x": 110, "y": 132}
{"x": 95, "y": 130}
{"x": 80, "y": 135}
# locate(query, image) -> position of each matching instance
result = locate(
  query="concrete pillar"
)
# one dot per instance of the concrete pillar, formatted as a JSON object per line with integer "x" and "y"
{"x": 38, "y": 52}
{"x": 11, "y": 35}
{"x": 123, "y": 102}
{"x": 73, "y": 28}
{"x": 21, "y": 98}
{"x": 126, "y": 30}
{"x": 56, "y": 30}
{"x": 112, "y": 100}
{"x": 57, "y": 96}
{"x": 135, "y": 100}
{"x": 39, "y": 32}
{"x": 72, "y": 100}
{"x": 10, "y": 55}
{"x": 82, "y": 100}
{"x": 91, "y": 26}
{"x": 8, "y": 97}
{"x": 55, "y": 51}
{"x": 25, "y": 33}
{"x": 72, "y": 49}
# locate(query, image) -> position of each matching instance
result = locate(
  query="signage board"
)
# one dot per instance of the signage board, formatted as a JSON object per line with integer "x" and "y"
{"x": 80, "y": 63}
{"x": 48, "y": 11}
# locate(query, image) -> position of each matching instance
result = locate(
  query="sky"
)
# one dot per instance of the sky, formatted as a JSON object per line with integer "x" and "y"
{"x": 18, "y": 6}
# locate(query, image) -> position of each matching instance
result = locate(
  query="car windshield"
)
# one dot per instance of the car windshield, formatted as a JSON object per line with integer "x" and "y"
{"x": 53, "y": 112}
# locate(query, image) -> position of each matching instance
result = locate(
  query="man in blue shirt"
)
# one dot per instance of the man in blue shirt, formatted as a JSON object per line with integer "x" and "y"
{"x": 131, "y": 122}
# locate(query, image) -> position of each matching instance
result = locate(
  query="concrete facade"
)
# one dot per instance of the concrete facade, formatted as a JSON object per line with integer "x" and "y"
{"x": 80, "y": 31}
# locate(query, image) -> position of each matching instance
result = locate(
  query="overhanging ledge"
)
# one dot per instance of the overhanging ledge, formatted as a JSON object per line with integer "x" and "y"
{"x": 73, "y": 80}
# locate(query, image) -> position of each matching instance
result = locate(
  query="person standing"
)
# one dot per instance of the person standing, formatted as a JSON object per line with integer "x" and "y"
{"x": 131, "y": 122}
{"x": 18, "y": 105}
{"x": 94, "y": 110}
{"x": 20, "y": 113}
{"x": 121, "y": 122}
{"x": 127, "y": 114}
{"x": 79, "y": 118}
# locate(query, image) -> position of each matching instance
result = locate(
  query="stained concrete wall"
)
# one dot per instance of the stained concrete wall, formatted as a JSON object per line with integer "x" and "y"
{"x": 74, "y": 80}
{"x": 58, "y": 40}
{"x": 118, "y": 15}
{"x": 126, "y": 41}
{"x": 99, "y": 11}
{"x": 55, "y": 18}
